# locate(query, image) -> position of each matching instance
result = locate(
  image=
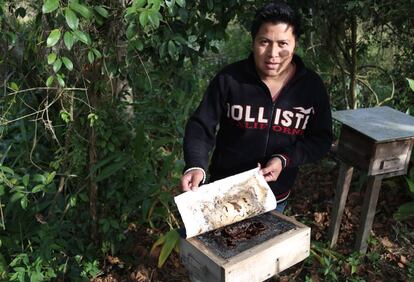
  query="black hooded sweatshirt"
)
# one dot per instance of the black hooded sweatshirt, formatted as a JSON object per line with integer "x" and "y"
{"x": 238, "y": 117}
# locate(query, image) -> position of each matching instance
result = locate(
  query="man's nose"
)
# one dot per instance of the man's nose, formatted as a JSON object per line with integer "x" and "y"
{"x": 273, "y": 50}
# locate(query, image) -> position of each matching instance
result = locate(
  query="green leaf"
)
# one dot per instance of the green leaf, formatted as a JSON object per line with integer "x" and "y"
{"x": 156, "y": 4}
{"x": 411, "y": 83}
{"x": 138, "y": 45}
{"x": 163, "y": 49}
{"x": 82, "y": 36}
{"x": 39, "y": 178}
{"x": 14, "y": 86}
{"x": 102, "y": 11}
{"x": 139, "y": 3}
{"x": 143, "y": 18}
{"x": 6, "y": 169}
{"x": 97, "y": 53}
{"x": 172, "y": 49}
{"x": 178, "y": 38}
{"x": 171, "y": 240}
{"x": 84, "y": 197}
{"x": 36, "y": 276}
{"x": 49, "y": 81}
{"x": 81, "y": 9}
{"x": 91, "y": 56}
{"x": 180, "y": 3}
{"x": 50, "y": 6}
{"x": 130, "y": 11}
{"x": 38, "y": 188}
{"x": 57, "y": 65}
{"x": 50, "y": 177}
{"x": 170, "y": 3}
{"x": 131, "y": 31}
{"x": 154, "y": 17}
{"x": 72, "y": 200}
{"x": 71, "y": 19}
{"x": 60, "y": 80}
{"x": 51, "y": 58}
{"x": 410, "y": 183}
{"x": 68, "y": 63}
{"x": 26, "y": 179}
{"x": 102, "y": 163}
{"x": 23, "y": 202}
{"x": 16, "y": 196}
{"x": 111, "y": 169}
{"x": 53, "y": 38}
{"x": 65, "y": 116}
{"x": 183, "y": 13}
{"x": 405, "y": 211}
{"x": 68, "y": 39}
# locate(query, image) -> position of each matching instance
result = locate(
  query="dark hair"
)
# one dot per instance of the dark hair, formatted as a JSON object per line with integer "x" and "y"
{"x": 276, "y": 12}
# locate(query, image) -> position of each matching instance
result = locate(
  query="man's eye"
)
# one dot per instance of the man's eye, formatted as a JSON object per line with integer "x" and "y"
{"x": 264, "y": 42}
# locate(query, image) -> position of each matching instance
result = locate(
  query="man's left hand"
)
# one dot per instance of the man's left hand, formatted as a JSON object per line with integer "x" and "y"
{"x": 272, "y": 169}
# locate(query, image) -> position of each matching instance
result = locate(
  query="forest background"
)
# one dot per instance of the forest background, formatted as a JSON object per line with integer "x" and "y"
{"x": 94, "y": 96}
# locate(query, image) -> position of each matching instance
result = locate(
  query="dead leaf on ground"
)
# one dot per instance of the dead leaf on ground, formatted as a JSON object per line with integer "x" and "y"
{"x": 113, "y": 260}
{"x": 141, "y": 274}
{"x": 404, "y": 260}
{"x": 107, "y": 278}
{"x": 319, "y": 217}
{"x": 387, "y": 243}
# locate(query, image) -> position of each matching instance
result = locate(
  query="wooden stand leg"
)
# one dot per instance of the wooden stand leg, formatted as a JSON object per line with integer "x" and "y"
{"x": 368, "y": 213}
{"x": 341, "y": 193}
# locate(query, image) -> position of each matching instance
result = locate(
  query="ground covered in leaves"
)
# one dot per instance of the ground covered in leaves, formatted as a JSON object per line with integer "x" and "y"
{"x": 390, "y": 251}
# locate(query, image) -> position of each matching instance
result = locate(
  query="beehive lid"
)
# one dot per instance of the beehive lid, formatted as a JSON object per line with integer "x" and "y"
{"x": 379, "y": 123}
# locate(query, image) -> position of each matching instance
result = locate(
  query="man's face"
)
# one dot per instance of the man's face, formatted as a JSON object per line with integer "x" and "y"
{"x": 273, "y": 49}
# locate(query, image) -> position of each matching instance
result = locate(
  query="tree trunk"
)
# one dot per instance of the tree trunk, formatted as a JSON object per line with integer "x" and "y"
{"x": 93, "y": 187}
{"x": 353, "y": 65}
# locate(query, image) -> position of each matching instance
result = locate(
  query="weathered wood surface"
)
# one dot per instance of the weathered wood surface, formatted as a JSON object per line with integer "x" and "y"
{"x": 375, "y": 158}
{"x": 378, "y": 141}
{"x": 255, "y": 264}
{"x": 368, "y": 213}
{"x": 379, "y": 123}
{"x": 341, "y": 194}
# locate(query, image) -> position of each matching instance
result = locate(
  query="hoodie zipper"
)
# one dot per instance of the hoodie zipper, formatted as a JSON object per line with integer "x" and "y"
{"x": 287, "y": 86}
{"x": 270, "y": 121}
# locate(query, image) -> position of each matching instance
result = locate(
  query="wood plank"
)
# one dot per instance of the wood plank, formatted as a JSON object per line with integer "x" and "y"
{"x": 201, "y": 267}
{"x": 255, "y": 264}
{"x": 341, "y": 193}
{"x": 270, "y": 258}
{"x": 368, "y": 213}
{"x": 355, "y": 148}
{"x": 390, "y": 157}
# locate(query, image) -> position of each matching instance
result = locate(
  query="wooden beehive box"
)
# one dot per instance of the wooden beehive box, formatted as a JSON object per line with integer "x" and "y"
{"x": 374, "y": 157}
{"x": 376, "y": 140}
{"x": 254, "y": 260}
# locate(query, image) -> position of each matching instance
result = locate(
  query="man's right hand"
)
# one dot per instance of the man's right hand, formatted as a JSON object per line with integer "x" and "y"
{"x": 191, "y": 180}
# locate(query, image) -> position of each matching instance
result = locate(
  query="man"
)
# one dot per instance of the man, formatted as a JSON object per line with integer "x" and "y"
{"x": 269, "y": 110}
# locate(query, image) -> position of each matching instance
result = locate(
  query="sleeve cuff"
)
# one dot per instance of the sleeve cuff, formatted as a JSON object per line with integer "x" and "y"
{"x": 283, "y": 158}
{"x": 194, "y": 168}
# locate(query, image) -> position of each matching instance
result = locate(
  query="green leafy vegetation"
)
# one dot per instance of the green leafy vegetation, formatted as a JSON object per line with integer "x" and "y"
{"x": 94, "y": 98}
